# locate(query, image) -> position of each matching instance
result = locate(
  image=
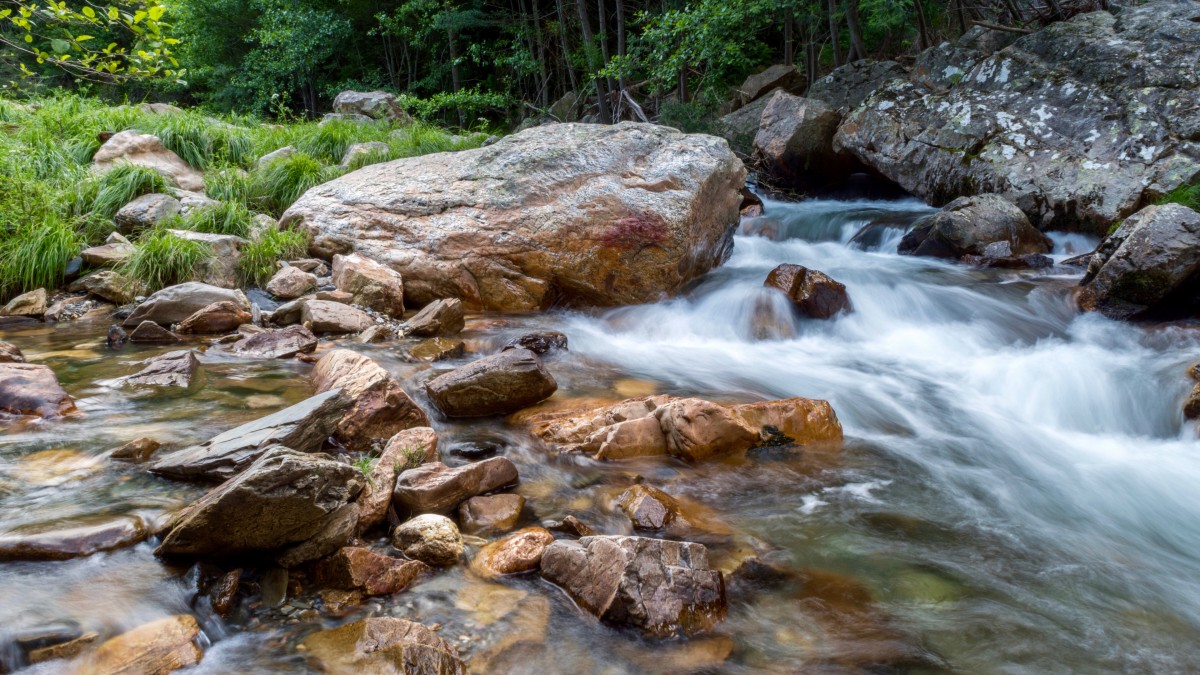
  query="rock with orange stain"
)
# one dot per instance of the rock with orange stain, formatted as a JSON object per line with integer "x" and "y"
{"x": 155, "y": 648}
{"x": 518, "y": 553}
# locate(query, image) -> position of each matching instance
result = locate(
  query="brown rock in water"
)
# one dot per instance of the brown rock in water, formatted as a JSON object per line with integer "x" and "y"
{"x": 1191, "y": 407}
{"x": 137, "y": 450}
{"x": 219, "y": 317}
{"x": 290, "y": 283}
{"x": 812, "y": 293}
{"x": 648, "y": 507}
{"x": 494, "y": 385}
{"x": 490, "y": 513}
{"x": 176, "y": 303}
{"x": 284, "y": 501}
{"x": 31, "y": 304}
{"x": 665, "y": 588}
{"x": 406, "y": 450}
{"x": 573, "y": 525}
{"x": 152, "y": 333}
{"x": 383, "y": 645}
{"x": 277, "y": 344}
{"x": 968, "y": 225}
{"x": 437, "y": 488}
{"x": 380, "y": 408}
{"x": 375, "y": 334}
{"x": 107, "y": 285}
{"x": 371, "y": 284}
{"x": 63, "y": 650}
{"x": 355, "y": 568}
{"x": 438, "y": 349}
{"x": 27, "y": 389}
{"x": 73, "y": 542}
{"x": 430, "y": 538}
{"x": 173, "y": 369}
{"x": 10, "y": 353}
{"x": 440, "y": 317}
{"x": 155, "y": 648}
{"x": 686, "y": 428}
{"x": 539, "y": 343}
{"x": 325, "y": 316}
{"x": 595, "y": 215}
{"x": 303, "y": 427}
{"x": 518, "y": 553}
{"x": 146, "y": 150}
{"x": 224, "y": 593}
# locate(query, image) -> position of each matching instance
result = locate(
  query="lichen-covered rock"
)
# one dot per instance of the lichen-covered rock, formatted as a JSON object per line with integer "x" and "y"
{"x": 846, "y": 87}
{"x": 378, "y": 105}
{"x": 286, "y": 500}
{"x": 583, "y": 214}
{"x": 665, "y": 588}
{"x": 494, "y": 385}
{"x": 379, "y": 405}
{"x": 1078, "y": 124}
{"x": 362, "y": 151}
{"x": 1148, "y": 267}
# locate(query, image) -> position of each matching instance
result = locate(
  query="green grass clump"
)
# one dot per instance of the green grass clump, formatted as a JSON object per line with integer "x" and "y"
{"x": 220, "y": 218}
{"x": 198, "y": 140}
{"x": 36, "y": 255}
{"x": 423, "y": 139}
{"x": 277, "y": 185}
{"x": 260, "y": 254}
{"x": 1187, "y": 195}
{"x": 162, "y": 259}
{"x": 104, "y": 194}
{"x": 228, "y": 185}
{"x": 329, "y": 142}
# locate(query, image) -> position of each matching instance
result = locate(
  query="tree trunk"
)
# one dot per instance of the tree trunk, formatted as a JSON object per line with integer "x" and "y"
{"x": 834, "y": 29}
{"x": 585, "y": 27}
{"x": 609, "y": 85}
{"x": 923, "y": 37}
{"x": 788, "y": 39}
{"x": 858, "y": 49}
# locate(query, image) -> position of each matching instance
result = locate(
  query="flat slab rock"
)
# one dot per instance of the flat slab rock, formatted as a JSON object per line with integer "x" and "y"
{"x": 303, "y": 427}
{"x": 665, "y": 588}
{"x": 161, "y": 646}
{"x": 383, "y": 645}
{"x": 583, "y": 213}
{"x": 173, "y": 369}
{"x": 437, "y": 488}
{"x": 287, "y": 505}
{"x": 73, "y": 542}
{"x": 277, "y": 344}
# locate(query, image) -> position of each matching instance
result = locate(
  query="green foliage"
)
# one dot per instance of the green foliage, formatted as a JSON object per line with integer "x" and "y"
{"x": 161, "y": 258}
{"x": 365, "y": 463}
{"x": 229, "y": 185}
{"x": 35, "y": 256}
{"x": 693, "y": 118}
{"x": 275, "y": 186}
{"x": 1187, "y": 195}
{"x": 260, "y": 254}
{"x": 328, "y": 142}
{"x": 104, "y": 194}
{"x": 220, "y": 218}
{"x": 199, "y": 140}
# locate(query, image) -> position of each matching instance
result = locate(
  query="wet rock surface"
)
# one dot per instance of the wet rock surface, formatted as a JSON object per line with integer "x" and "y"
{"x": 491, "y": 513}
{"x": 219, "y": 317}
{"x": 812, "y": 293}
{"x": 379, "y": 405}
{"x": 440, "y": 317}
{"x": 28, "y": 389}
{"x": 969, "y": 225}
{"x": 383, "y": 645}
{"x": 356, "y": 568}
{"x": 173, "y": 369}
{"x": 73, "y": 542}
{"x": 369, "y": 283}
{"x": 494, "y": 385}
{"x": 406, "y": 450}
{"x": 518, "y": 553}
{"x": 277, "y": 344}
{"x": 430, "y": 538}
{"x": 159, "y": 647}
{"x": 437, "y": 488}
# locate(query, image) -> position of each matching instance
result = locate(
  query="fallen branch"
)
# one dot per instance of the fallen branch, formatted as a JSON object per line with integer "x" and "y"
{"x": 1000, "y": 27}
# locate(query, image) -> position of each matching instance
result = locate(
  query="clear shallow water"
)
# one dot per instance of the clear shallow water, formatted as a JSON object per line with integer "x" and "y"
{"x": 1016, "y": 493}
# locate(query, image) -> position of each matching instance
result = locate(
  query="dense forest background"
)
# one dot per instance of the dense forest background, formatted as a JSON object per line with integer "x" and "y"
{"x": 471, "y": 63}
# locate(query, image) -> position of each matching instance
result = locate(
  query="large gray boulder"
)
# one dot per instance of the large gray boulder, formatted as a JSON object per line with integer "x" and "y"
{"x": 176, "y": 303}
{"x": 846, "y": 87}
{"x": 1149, "y": 267}
{"x": 794, "y": 143}
{"x": 968, "y": 225}
{"x": 665, "y": 588}
{"x": 378, "y": 105}
{"x": 578, "y": 213}
{"x": 1078, "y": 124}
{"x": 288, "y": 505}
{"x": 303, "y": 427}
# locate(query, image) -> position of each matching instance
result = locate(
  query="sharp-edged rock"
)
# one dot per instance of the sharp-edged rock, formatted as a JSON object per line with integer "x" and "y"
{"x": 383, "y": 645}
{"x": 440, "y": 317}
{"x": 72, "y": 542}
{"x": 379, "y": 405}
{"x": 283, "y": 343}
{"x": 436, "y": 488}
{"x": 173, "y": 369}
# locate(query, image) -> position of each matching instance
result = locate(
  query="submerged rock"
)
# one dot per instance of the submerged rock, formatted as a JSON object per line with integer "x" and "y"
{"x": 176, "y": 303}
{"x": 27, "y": 389}
{"x": 812, "y": 293}
{"x": 383, "y": 645}
{"x": 379, "y": 406}
{"x": 430, "y": 538}
{"x": 437, "y": 349}
{"x": 578, "y": 213}
{"x": 437, "y": 488}
{"x": 73, "y": 542}
{"x": 664, "y": 588}
{"x": 137, "y": 450}
{"x": 1148, "y": 267}
{"x": 285, "y": 503}
{"x": 303, "y": 427}
{"x": 491, "y": 513}
{"x": 158, "y": 647}
{"x": 494, "y": 385}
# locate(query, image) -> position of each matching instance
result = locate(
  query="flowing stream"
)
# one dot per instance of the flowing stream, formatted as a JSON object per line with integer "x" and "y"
{"x": 1016, "y": 494}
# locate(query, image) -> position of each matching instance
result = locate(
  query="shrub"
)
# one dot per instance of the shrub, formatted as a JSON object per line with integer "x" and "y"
{"x": 36, "y": 255}
{"x": 162, "y": 259}
{"x": 275, "y": 186}
{"x": 104, "y": 194}
{"x": 260, "y": 254}
{"x": 220, "y": 218}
